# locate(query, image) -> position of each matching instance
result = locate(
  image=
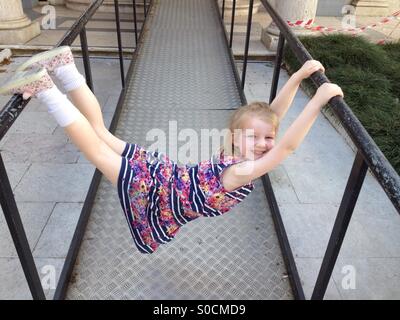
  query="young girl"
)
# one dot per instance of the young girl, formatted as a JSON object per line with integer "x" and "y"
{"x": 157, "y": 195}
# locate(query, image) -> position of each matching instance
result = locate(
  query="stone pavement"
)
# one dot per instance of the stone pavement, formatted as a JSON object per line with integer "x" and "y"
{"x": 50, "y": 178}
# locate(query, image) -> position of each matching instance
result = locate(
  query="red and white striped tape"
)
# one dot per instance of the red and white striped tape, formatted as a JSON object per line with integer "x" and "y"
{"x": 301, "y": 23}
{"x": 308, "y": 24}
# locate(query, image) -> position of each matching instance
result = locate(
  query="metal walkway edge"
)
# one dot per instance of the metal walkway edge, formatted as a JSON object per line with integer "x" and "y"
{"x": 183, "y": 78}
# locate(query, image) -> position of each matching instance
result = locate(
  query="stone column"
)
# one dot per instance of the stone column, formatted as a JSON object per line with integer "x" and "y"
{"x": 289, "y": 10}
{"x": 241, "y": 7}
{"x": 371, "y": 7}
{"x": 15, "y": 26}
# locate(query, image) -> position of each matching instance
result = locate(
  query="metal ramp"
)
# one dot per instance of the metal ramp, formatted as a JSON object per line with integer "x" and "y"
{"x": 183, "y": 75}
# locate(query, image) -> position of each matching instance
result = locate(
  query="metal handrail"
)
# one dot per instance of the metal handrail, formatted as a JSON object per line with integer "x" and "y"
{"x": 232, "y": 21}
{"x": 377, "y": 162}
{"x": 368, "y": 154}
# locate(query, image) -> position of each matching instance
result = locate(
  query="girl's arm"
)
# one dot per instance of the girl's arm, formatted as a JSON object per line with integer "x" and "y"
{"x": 284, "y": 99}
{"x": 242, "y": 173}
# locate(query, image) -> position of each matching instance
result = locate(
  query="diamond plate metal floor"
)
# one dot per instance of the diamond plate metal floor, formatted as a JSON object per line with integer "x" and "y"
{"x": 183, "y": 74}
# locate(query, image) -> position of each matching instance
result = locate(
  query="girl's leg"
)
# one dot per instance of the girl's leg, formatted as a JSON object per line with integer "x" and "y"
{"x": 87, "y": 103}
{"x": 82, "y": 134}
{"x": 95, "y": 149}
{"x": 60, "y": 63}
{"x": 37, "y": 83}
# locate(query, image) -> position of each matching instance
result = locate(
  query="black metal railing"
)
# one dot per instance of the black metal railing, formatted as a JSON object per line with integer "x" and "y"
{"x": 10, "y": 113}
{"x": 368, "y": 156}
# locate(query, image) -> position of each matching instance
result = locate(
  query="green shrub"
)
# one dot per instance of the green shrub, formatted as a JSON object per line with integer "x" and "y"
{"x": 369, "y": 75}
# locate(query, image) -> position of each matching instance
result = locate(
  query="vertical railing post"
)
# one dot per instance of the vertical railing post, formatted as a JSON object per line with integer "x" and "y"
{"x": 277, "y": 69}
{"x": 145, "y": 8}
{"x": 18, "y": 235}
{"x": 232, "y": 22}
{"x": 86, "y": 59}
{"x": 342, "y": 221}
{"x": 135, "y": 22}
{"x": 246, "y": 49}
{"x": 121, "y": 58}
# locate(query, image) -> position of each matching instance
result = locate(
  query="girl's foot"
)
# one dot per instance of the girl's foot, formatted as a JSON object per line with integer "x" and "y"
{"x": 58, "y": 62}
{"x": 28, "y": 83}
{"x": 49, "y": 60}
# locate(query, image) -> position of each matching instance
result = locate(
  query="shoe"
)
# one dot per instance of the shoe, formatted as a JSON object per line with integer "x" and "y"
{"x": 49, "y": 60}
{"x": 29, "y": 83}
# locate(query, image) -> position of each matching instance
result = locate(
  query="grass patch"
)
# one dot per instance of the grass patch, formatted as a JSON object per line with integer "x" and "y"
{"x": 369, "y": 76}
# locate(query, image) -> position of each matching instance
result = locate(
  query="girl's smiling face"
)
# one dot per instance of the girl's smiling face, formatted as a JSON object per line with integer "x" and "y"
{"x": 255, "y": 138}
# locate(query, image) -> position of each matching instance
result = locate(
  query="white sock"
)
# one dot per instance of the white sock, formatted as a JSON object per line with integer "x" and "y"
{"x": 69, "y": 77}
{"x": 59, "y": 106}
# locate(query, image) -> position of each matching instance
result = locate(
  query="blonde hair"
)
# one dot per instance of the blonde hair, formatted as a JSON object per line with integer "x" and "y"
{"x": 258, "y": 109}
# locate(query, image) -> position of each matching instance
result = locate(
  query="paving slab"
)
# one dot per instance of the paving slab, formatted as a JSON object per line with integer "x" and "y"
{"x": 55, "y": 182}
{"x": 374, "y": 278}
{"x": 308, "y": 270}
{"x": 34, "y": 123}
{"x": 13, "y": 283}
{"x": 34, "y": 217}
{"x": 39, "y": 148}
{"x": 56, "y": 237}
{"x": 15, "y": 172}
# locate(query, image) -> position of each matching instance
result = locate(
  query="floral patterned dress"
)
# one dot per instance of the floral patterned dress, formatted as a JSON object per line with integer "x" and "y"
{"x": 158, "y": 196}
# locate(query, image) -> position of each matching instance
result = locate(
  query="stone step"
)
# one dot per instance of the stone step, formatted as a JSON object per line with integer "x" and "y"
{"x": 94, "y": 51}
{"x": 108, "y": 6}
{"x": 257, "y": 50}
{"x": 241, "y": 30}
